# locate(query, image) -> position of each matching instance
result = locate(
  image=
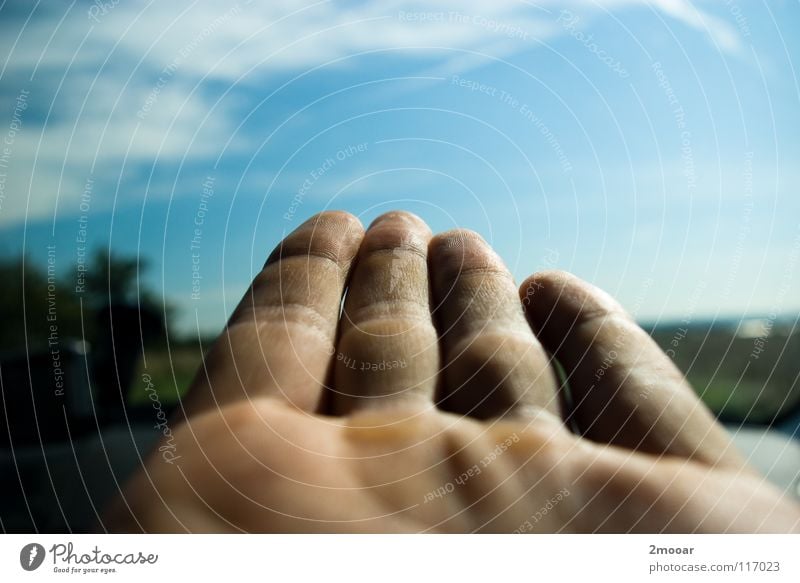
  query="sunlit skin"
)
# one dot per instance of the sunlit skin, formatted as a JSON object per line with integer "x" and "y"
{"x": 431, "y": 404}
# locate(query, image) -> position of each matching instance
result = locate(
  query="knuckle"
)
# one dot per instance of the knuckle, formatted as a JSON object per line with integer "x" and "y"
{"x": 492, "y": 348}
{"x": 394, "y": 242}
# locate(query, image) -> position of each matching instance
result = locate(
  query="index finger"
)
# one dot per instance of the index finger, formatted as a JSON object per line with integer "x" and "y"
{"x": 279, "y": 340}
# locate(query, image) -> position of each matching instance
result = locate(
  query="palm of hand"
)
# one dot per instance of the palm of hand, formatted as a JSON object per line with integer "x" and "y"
{"x": 431, "y": 405}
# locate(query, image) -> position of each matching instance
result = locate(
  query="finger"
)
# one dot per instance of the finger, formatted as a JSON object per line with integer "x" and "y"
{"x": 388, "y": 350}
{"x": 494, "y": 365}
{"x": 624, "y": 389}
{"x": 279, "y": 340}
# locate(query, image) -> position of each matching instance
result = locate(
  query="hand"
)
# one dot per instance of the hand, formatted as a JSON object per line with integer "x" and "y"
{"x": 432, "y": 405}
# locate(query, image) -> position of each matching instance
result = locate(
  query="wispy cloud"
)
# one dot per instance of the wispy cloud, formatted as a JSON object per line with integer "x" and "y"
{"x": 125, "y": 85}
{"x": 720, "y": 31}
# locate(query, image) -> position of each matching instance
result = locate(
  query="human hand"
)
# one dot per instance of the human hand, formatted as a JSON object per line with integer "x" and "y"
{"x": 432, "y": 405}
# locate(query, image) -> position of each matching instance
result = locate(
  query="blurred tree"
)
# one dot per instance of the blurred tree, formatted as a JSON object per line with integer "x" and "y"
{"x": 115, "y": 314}
{"x": 112, "y": 280}
{"x": 30, "y": 303}
{"x": 29, "y": 306}
{"x": 117, "y": 280}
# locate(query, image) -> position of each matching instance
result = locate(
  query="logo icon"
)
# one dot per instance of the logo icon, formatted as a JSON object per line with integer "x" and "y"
{"x": 31, "y": 556}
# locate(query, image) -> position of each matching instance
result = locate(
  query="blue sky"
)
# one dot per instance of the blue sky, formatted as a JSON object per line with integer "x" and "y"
{"x": 649, "y": 147}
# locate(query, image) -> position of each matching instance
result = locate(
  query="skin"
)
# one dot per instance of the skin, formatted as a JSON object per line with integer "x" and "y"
{"x": 431, "y": 404}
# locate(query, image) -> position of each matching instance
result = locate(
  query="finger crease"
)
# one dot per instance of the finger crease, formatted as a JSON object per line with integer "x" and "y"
{"x": 286, "y": 313}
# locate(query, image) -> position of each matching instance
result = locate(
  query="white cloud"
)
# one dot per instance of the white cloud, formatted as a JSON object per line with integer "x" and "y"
{"x": 54, "y": 160}
{"x": 126, "y": 50}
{"x": 720, "y": 31}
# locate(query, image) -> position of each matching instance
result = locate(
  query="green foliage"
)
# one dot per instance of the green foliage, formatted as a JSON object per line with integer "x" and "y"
{"x": 30, "y": 305}
{"x": 738, "y": 377}
{"x": 36, "y": 303}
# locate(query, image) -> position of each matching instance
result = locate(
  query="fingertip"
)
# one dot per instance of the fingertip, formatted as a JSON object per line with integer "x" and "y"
{"x": 458, "y": 238}
{"x": 458, "y": 252}
{"x": 336, "y": 220}
{"x": 402, "y": 217}
{"x": 396, "y": 231}
{"x": 333, "y": 233}
{"x": 549, "y": 291}
{"x": 537, "y": 293}
{"x": 332, "y": 215}
{"x": 552, "y": 280}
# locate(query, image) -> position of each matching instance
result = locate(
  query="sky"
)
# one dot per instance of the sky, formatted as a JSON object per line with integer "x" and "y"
{"x": 649, "y": 147}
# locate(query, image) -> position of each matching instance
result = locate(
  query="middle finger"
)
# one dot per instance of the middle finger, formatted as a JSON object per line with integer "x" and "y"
{"x": 388, "y": 349}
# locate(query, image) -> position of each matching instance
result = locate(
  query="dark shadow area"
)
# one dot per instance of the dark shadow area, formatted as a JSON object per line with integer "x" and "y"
{"x": 81, "y": 403}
